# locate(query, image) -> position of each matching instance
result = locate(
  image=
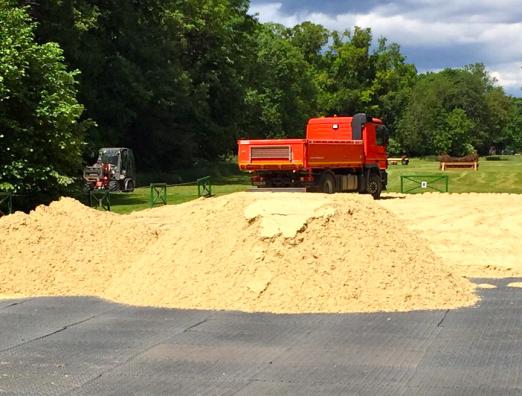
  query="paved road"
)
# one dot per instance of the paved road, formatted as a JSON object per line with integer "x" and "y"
{"x": 85, "y": 346}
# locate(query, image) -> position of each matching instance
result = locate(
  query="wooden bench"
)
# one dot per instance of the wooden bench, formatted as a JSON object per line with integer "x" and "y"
{"x": 456, "y": 165}
{"x": 395, "y": 161}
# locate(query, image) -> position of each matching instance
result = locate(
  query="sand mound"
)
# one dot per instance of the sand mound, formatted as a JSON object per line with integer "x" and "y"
{"x": 486, "y": 286}
{"x": 67, "y": 249}
{"x": 477, "y": 235}
{"x": 246, "y": 251}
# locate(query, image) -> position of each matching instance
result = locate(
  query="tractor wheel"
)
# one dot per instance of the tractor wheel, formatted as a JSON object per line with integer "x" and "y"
{"x": 129, "y": 185}
{"x": 327, "y": 183}
{"x": 87, "y": 188}
{"x": 374, "y": 185}
{"x": 113, "y": 186}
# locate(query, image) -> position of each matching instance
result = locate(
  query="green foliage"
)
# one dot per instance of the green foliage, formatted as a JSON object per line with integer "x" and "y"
{"x": 310, "y": 39}
{"x": 454, "y": 136}
{"x": 392, "y": 84}
{"x": 282, "y": 94}
{"x": 345, "y": 81}
{"x": 355, "y": 78}
{"x": 40, "y": 137}
{"x": 454, "y": 111}
{"x": 164, "y": 77}
{"x": 513, "y": 129}
{"x": 394, "y": 148}
{"x": 180, "y": 80}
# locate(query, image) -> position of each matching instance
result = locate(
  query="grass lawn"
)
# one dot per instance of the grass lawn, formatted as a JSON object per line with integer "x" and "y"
{"x": 225, "y": 177}
{"x": 140, "y": 198}
{"x": 503, "y": 176}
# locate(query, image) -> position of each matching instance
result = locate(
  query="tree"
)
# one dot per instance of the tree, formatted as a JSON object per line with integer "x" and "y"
{"x": 345, "y": 83}
{"x": 513, "y": 129}
{"x": 310, "y": 39}
{"x": 434, "y": 117}
{"x": 164, "y": 77}
{"x": 40, "y": 136}
{"x": 354, "y": 78}
{"x": 180, "y": 80}
{"x": 454, "y": 137}
{"x": 282, "y": 94}
{"x": 391, "y": 86}
{"x": 424, "y": 114}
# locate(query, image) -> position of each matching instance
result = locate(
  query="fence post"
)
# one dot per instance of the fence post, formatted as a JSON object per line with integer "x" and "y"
{"x": 204, "y": 187}
{"x": 6, "y": 198}
{"x": 158, "y": 194}
{"x": 102, "y": 198}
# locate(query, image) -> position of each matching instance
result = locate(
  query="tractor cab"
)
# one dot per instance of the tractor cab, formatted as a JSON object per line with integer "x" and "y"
{"x": 114, "y": 170}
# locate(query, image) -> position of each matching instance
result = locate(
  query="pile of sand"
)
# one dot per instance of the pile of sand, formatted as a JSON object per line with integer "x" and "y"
{"x": 245, "y": 251}
{"x": 477, "y": 235}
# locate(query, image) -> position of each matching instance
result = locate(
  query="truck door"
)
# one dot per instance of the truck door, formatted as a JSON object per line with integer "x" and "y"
{"x": 375, "y": 141}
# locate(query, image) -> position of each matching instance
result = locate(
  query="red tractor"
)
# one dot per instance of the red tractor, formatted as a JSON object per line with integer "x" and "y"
{"x": 115, "y": 170}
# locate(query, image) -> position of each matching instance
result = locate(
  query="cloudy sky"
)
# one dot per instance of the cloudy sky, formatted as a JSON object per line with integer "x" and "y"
{"x": 433, "y": 34}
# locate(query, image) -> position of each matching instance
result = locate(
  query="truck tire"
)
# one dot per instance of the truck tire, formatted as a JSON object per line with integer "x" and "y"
{"x": 374, "y": 185}
{"x": 327, "y": 183}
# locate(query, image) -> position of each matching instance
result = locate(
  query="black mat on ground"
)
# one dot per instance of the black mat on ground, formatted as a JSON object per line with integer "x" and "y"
{"x": 85, "y": 346}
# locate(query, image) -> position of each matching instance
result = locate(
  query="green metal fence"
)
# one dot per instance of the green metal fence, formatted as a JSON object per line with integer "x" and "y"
{"x": 411, "y": 184}
{"x": 6, "y": 203}
{"x": 100, "y": 199}
{"x": 158, "y": 194}
{"x": 204, "y": 187}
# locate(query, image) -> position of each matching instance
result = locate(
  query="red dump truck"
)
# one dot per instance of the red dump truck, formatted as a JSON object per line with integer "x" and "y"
{"x": 338, "y": 154}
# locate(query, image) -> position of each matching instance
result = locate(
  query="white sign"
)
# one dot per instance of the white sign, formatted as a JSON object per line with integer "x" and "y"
{"x": 424, "y": 184}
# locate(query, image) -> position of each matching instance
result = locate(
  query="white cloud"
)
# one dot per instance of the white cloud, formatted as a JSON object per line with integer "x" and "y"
{"x": 509, "y": 75}
{"x": 501, "y": 41}
{"x": 271, "y": 12}
{"x": 467, "y": 30}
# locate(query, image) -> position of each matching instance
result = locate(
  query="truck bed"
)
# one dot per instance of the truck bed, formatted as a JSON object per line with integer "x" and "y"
{"x": 273, "y": 154}
{"x": 299, "y": 154}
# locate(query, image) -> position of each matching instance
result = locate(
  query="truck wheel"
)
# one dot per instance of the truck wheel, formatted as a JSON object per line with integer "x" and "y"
{"x": 327, "y": 183}
{"x": 374, "y": 185}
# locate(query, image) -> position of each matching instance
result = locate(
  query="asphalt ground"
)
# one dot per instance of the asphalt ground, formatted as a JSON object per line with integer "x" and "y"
{"x": 86, "y": 346}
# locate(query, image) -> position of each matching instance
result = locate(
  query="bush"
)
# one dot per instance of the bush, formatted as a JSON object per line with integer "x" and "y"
{"x": 394, "y": 149}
